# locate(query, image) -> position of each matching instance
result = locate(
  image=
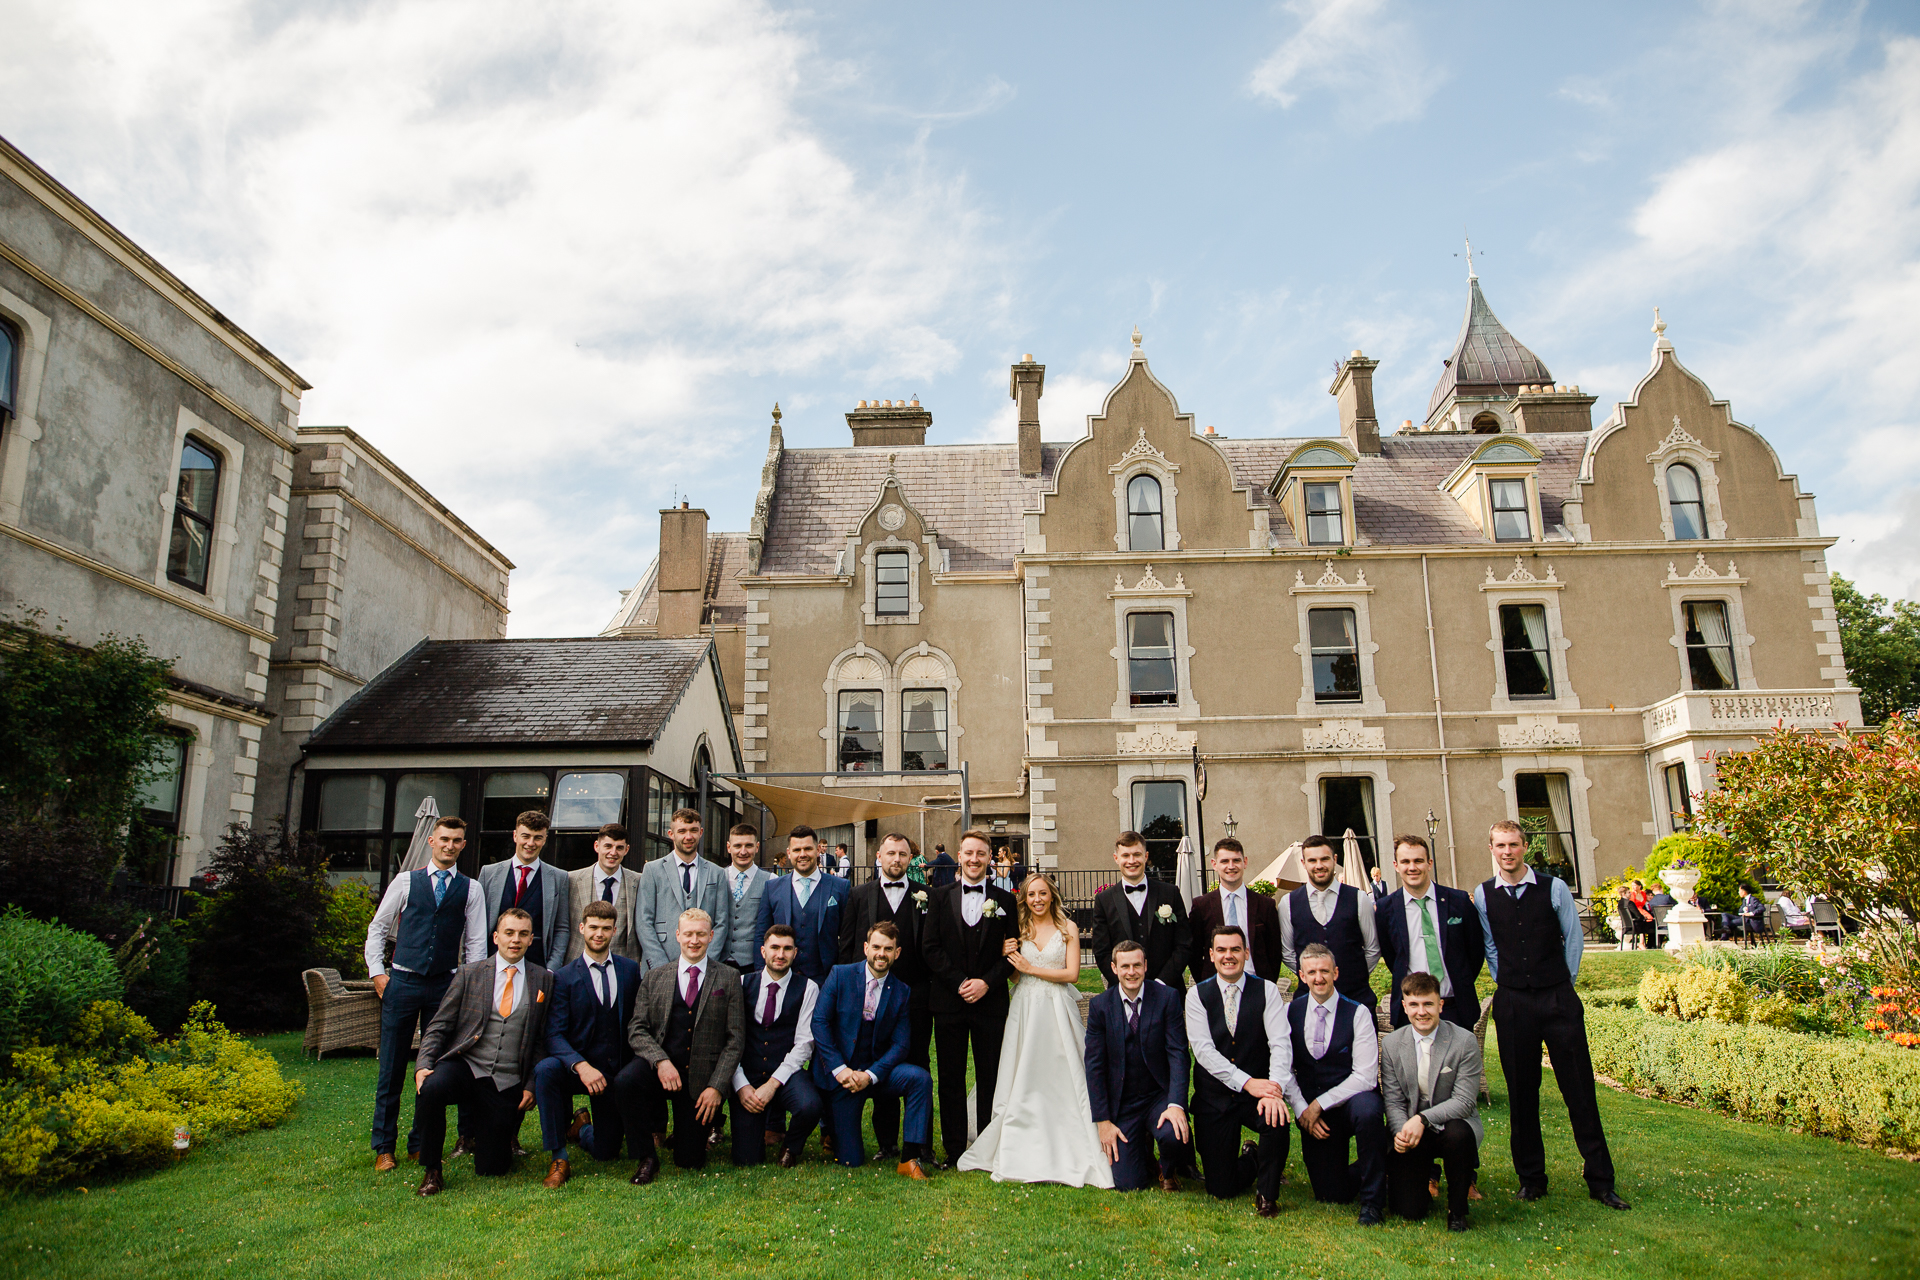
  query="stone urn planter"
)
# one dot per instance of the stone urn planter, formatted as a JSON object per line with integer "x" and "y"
{"x": 1686, "y": 923}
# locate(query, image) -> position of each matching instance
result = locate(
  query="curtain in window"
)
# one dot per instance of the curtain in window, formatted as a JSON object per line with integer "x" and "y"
{"x": 1535, "y": 621}
{"x": 1560, "y": 800}
{"x": 1711, "y": 619}
{"x": 1144, "y": 528}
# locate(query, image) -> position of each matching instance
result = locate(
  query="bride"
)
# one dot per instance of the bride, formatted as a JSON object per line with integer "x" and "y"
{"x": 1042, "y": 1127}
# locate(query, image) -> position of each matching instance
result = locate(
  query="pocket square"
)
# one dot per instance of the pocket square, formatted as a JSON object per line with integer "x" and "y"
{"x": 539, "y": 997}
{"x": 1453, "y": 919}
{"x": 833, "y": 902}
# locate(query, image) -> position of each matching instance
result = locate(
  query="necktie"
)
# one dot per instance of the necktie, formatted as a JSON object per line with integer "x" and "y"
{"x": 440, "y": 887}
{"x": 872, "y": 1006}
{"x": 602, "y": 986}
{"x": 1233, "y": 908}
{"x": 1322, "y": 1016}
{"x": 506, "y": 995}
{"x": 693, "y": 986}
{"x": 606, "y": 889}
{"x": 804, "y": 888}
{"x": 524, "y": 871}
{"x": 686, "y": 879}
{"x": 1426, "y": 1068}
{"x": 1133, "y": 1016}
{"x": 773, "y": 993}
{"x": 1431, "y": 938}
{"x": 1513, "y": 891}
{"x": 739, "y": 885}
{"x": 1232, "y": 996}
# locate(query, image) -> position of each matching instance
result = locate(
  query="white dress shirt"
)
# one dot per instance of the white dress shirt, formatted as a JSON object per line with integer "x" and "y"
{"x": 500, "y": 967}
{"x": 1321, "y": 902}
{"x": 802, "y": 1050}
{"x": 1417, "y": 939}
{"x": 738, "y": 881}
{"x": 1423, "y": 1065}
{"x": 386, "y": 921}
{"x": 843, "y": 1070}
{"x": 894, "y": 891}
{"x": 972, "y": 904}
{"x": 699, "y": 966}
{"x": 680, "y": 866}
{"x": 601, "y": 880}
{"x": 1273, "y": 1018}
{"x": 606, "y": 987}
{"x": 1366, "y": 1055}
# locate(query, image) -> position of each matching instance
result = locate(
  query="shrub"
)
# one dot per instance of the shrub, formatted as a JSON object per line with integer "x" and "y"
{"x": 1722, "y": 868}
{"x": 157, "y": 983}
{"x": 1856, "y": 1091}
{"x": 1700, "y": 992}
{"x": 1774, "y": 1011}
{"x": 341, "y": 942}
{"x": 1266, "y": 887}
{"x": 252, "y": 937}
{"x": 1777, "y": 969}
{"x": 1658, "y": 994}
{"x": 1611, "y": 998}
{"x": 49, "y": 975}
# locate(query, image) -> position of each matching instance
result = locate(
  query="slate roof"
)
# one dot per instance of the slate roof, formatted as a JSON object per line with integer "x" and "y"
{"x": 517, "y": 693}
{"x": 726, "y": 598}
{"x": 1486, "y": 360}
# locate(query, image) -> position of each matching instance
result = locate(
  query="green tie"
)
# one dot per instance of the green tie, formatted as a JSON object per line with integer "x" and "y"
{"x": 1430, "y": 937}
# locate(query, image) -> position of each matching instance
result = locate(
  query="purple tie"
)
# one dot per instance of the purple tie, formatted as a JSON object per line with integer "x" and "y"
{"x": 693, "y": 986}
{"x": 1133, "y": 1016}
{"x": 872, "y": 1007}
{"x": 773, "y": 993}
{"x": 1321, "y": 1017}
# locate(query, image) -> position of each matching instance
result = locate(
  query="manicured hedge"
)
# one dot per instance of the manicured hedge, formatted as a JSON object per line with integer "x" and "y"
{"x": 49, "y": 976}
{"x": 1854, "y": 1090}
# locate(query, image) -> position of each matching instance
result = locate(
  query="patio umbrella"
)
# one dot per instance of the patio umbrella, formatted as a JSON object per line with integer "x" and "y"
{"x": 425, "y": 818}
{"x": 1186, "y": 871}
{"x": 1284, "y": 871}
{"x": 1353, "y": 867}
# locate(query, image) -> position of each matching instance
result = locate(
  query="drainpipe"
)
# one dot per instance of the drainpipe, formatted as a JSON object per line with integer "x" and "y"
{"x": 1440, "y": 725}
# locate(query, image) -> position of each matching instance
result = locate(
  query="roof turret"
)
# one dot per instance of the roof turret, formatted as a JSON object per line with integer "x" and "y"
{"x": 1486, "y": 360}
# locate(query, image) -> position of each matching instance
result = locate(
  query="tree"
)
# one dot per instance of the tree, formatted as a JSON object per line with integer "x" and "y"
{"x": 1832, "y": 814}
{"x": 253, "y": 936}
{"x": 1881, "y": 643}
{"x": 1722, "y": 869}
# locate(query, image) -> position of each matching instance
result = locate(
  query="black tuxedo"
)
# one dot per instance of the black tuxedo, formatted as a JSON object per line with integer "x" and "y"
{"x": 1263, "y": 941}
{"x": 1169, "y": 944}
{"x": 1462, "y": 950}
{"x": 867, "y": 906}
{"x": 954, "y": 954}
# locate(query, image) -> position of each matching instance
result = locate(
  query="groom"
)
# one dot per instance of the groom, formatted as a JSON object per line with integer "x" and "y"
{"x": 967, "y": 924}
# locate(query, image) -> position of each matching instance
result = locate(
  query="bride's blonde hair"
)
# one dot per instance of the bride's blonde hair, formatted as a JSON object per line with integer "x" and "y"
{"x": 1055, "y": 914}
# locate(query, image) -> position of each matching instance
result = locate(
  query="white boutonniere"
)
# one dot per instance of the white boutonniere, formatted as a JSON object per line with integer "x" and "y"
{"x": 991, "y": 909}
{"x": 1165, "y": 913}
{"x": 920, "y": 900}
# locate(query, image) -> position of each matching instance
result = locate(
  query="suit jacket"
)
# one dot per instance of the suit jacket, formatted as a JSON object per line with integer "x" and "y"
{"x": 942, "y": 871}
{"x": 837, "y": 1014}
{"x": 1262, "y": 924}
{"x": 719, "y": 1024}
{"x": 865, "y": 907}
{"x": 1163, "y": 1042}
{"x": 743, "y": 947}
{"x": 1463, "y": 949}
{"x": 584, "y": 888}
{"x": 954, "y": 953}
{"x": 556, "y": 898}
{"x": 817, "y": 924}
{"x": 573, "y": 1024}
{"x": 661, "y": 902}
{"x": 462, "y": 1016}
{"x": 1169, "y": 943}
{"x": 1457, "y": 1068}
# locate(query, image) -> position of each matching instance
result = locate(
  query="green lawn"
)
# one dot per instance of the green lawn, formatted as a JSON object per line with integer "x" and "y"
{"x": 1711, "y": 1196}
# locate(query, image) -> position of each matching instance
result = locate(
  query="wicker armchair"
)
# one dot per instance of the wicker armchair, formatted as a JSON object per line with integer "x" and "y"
{"x": 340, "y": 1015}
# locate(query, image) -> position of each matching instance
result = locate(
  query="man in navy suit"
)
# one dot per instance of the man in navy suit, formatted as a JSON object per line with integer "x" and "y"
{"x": 586, "y": 1044}
{"x": 860, "y": 1032}
{"x": 808, "y": 901}
{"x": 1137, "y": 1072}
{"x": 1430, "y": 928}
{"x": 1334, "y": 1088}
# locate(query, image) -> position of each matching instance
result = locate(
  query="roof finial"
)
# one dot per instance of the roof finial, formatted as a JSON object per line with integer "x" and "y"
{"x": 1136, "y": 341}
{"x": 1464, "y": 236}
{"x": 776, "y": 413}
{"x": 1660, "y": 342}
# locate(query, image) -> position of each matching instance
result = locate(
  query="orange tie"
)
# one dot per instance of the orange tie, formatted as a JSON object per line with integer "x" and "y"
{"x": 506, "y": 996}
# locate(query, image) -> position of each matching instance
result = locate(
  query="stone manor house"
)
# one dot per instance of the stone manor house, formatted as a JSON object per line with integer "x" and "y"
{"x": 1501, "y": 612}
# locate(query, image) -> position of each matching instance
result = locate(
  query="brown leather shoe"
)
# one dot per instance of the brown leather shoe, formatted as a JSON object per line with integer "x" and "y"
{"x": 1433, "y": 1188}
{"x": 1473, "y": 1191}
{"x": 788, "y": 1159}
{"x": 556, "y": 1175}
{"x": 775, "y": 1137}
{"x": 385, "y": 1163}
{"x": 915, "y": 1169}
{"x": 431, "y": 1183}
{"x": 462, "y": 1147}
{"x": 1265, "y": 1207}
{"x": 581, "y": 1119}
{"x": 649, "y": 1170}
{"x": 1169, "y": 1183}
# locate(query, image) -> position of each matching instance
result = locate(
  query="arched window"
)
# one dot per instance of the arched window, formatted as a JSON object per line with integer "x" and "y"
{"x": 1486, "y": 425}
{"x": 9, "y": 364}
{"x": 1684, "y": 505}
{"x": 1145, "y": 530}
{"x": 191, "y": 549}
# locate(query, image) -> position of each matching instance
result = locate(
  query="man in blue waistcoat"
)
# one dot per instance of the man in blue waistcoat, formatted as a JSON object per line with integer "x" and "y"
{"x": 586, "y": 1044}
{"x": 1334, "y": 1089}
{"x": 772, "y": 1076}
{"x": 1337, "y": 916}
{"x": 435, "y": 921}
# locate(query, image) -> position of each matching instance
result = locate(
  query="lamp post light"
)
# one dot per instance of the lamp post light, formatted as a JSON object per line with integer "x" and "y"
{"x": 1229, "y": 824}
{"x": 1433, "y": 829}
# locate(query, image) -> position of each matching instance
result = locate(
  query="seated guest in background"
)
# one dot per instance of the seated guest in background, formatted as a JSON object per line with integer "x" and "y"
{"x": 687, "y": 1033}
{"x": 612, "y": 883}
{"x": 479, "y": 1052}
{"x": 1796, "y": 920}
{"x": 586, "y": 1044}
{"x": 1137, "y": 1071}
{"x": 1639, "y": 914}
{"x": 1426, "y": 927}
{"x": 861, "y": 1025}
{"x": 1336, "y": 1068}
{"x": 1231, "y": 902}
{"x": 1430, "y": 1073}
{"x": 770, "y": 1078}
{"x": 1753, "y": 913}
{"x": 1237, "y": 1031}
{"x": 446, "y": 928}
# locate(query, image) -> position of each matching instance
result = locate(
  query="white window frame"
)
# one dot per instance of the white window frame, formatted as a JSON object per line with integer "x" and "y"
{"x": 1153, "y": 597}
{"x": 1575, "y": 767}
{"x": 1523, "y": 587}
{"x": 1332, "y": 592}
{"x": 1529, "y": 508}
{"x": 1702, "y": 583}
{"x": 1681, "y": 447}
{"x": 23, "y": 430}
{"x": 1347, "y": 767}
{"x": 1170, "y": 769}
{"x": 870, "y": 594}
{"x": 226, "y": 504}
{"x": 1144, "y": 459}
{"x": 920, "y": 666}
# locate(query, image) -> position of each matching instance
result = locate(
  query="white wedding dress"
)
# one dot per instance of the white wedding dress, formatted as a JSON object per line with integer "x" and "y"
{"x": 1042, "y": 1124}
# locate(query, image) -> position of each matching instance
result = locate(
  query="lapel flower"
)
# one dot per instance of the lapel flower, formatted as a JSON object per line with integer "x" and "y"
{"x": 1165, "y": 913}
{"x": 990, "y": 910}
{"x": 920, "y": 900}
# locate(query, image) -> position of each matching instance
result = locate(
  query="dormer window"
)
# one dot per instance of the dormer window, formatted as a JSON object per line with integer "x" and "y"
{"x": 1508, "y": 499}
{"x": 1496, "y": 487}
{"x": 1326, "y": 525}
{"x": 1146, "y": 530}
{"x": 890, "y": 587}
{"x": 1314, "y": 491}
{"x": 1685, "y": 506}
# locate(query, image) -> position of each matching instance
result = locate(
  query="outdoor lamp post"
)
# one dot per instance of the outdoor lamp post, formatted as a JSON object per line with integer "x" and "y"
{"x": 1229, "y": 824}
{"x": 1433, "y": 828}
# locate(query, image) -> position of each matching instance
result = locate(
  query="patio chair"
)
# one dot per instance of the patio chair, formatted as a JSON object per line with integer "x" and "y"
{"x": 340, "y": 1015}
{"x": 1660, "y": 924}
{"x": 1826, "y": 920}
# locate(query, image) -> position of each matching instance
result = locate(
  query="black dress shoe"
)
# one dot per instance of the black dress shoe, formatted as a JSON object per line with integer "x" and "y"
{"x": 1370, "y": 1216}
{"x": 431, "y": 1183}
{"x": 1265, "y": 1207}
{"x": 788, "y": 1159}
{"x": 1456, "y": 1222}
{"x": 649, "y": 1170}
{"x": 886, "y": 1153}
{"x": 1533, "y": 1193}
{"x": 462, "y": 1147}
{"x": 1609, "y": 1199}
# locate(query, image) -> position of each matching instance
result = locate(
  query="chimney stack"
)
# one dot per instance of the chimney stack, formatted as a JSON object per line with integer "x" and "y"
{"x": 1026, "y": 385}
{"x": 889, "y": 422}
{"x": 1353, "y": 387}
{"x": 682, "y": 577}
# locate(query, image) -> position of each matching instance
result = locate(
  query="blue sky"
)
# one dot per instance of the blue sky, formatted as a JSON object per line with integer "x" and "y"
{"x": 558, "y": 261}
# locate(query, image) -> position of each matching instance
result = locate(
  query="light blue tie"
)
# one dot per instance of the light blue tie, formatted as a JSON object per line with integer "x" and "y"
{"x": 440, "y": 887}
{"x": 804, "y": 888}
{"x": 1233, "y": 908}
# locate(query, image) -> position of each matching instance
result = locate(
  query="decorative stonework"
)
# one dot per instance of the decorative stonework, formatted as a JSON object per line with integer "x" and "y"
{"x": 1343, "y": 735}
{"x": 1523, "y": 576}
{"x": 1703, "y": 572}
{"x": 1765, "y": 708}
{"x": 1150, "y": 584}
{"x": 1142, "y": 448}
{"x": 892, "y": 517}
{"x": 1536, "y": 733}
{"x": 1678, "y": 439}
{"x": 1156, "y": 742}
{"x": 1330, "y": 580}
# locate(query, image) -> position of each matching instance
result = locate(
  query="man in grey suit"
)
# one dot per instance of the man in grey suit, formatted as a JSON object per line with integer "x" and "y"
{"x": 1430, "y": 1073}
{"x": 607, "y": 881}
{"x": 682, "y": 881}
{"x": 746, "y": 882}
{"x": 538, "y": 888}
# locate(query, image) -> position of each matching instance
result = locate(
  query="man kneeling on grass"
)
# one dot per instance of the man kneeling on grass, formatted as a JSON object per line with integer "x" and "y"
{"x": 1430, "y": 1074}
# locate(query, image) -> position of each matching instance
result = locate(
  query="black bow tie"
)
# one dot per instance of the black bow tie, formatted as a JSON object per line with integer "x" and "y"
{"x": 1136, "y": 888}
{"x": 894, "y": 884}
{"x": 973, "y": 888}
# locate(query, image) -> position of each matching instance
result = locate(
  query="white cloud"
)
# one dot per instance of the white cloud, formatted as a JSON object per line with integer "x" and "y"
{"x": 525, "y": 249}
{"x": 1356, "y": 50}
